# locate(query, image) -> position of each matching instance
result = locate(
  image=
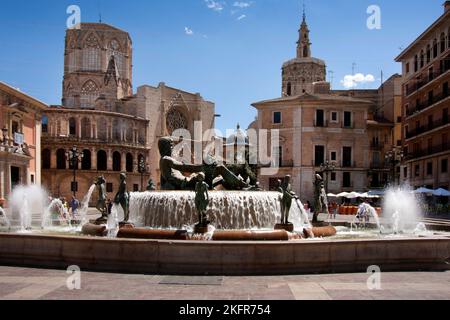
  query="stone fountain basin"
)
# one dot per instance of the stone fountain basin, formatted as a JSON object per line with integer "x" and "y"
{"x": 223, "y": 257}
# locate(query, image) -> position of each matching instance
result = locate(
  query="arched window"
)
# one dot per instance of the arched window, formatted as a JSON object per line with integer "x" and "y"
{"x": 85, "y": 128}
{"x": 416, "y": 63}
{"x": 46, "y": 159}
{"x": 442, "y": 42}
{"x": 102, "y": 161}
{"x": 89, "y": 93}
{"x": 117, "y": 134}
{"x": 86, "y": 164}
{"x": 422, "y": 59}
{"x": 435, "y": 48}
{"x": 44, "y": 124}
{"x": 176, "y": 120}
{"x": 117, "y": 161}
{"x": 72, "y": 127}
{"x": 102, "y": 129}
{"x": 289, "y": 89}
{"x": 428, "y": 53}
{"x": 61, "y": 159}
{"x": 58, "y": 128}
{"x": 129, "y": 133}
{"x": 91, "y": 54}
{"x": 129, "y": 162}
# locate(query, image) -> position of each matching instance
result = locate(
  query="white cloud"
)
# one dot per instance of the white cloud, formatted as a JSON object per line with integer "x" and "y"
{"x": 214, "y": 5}
{"x": 242, "y": 17}
{"x": 188, "y": 31}
{"x": 242, "y": 5}
{"x": 352, "y": 81}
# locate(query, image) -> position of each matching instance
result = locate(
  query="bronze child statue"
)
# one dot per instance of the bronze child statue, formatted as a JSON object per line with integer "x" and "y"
{"x": 202, "y": 200}
{"x": 101, "y": 202}
{"x": 123, "y": 197}
{"x": 286, "y": 199}
{"x": 151, "y": 185}
{"x": 320, "y": 197}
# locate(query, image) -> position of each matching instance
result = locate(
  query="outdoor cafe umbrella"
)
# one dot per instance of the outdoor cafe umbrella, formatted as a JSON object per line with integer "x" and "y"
{"x": 423, "y": 190}
{"x": 441, "y": 193}
{"x": 332, "y": 195}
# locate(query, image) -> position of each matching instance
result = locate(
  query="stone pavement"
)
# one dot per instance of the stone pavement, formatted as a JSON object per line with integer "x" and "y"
{"x": 34, "y": 284}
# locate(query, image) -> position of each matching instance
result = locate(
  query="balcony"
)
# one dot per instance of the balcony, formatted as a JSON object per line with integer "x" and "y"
{"x": 48, "y": 139}
{"x": 428, "y": 151}
{"x": 416, "y": 86}
{"x": 423, "y": 129}
{"x": 424, "y": 105}
{"x": 321, "y": 124}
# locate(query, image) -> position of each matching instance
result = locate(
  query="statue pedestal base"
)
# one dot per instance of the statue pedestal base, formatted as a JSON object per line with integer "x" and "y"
{"x": 287, "y": 227}
{"x": 126, "y": 225}
{"x": 201, "y": 229}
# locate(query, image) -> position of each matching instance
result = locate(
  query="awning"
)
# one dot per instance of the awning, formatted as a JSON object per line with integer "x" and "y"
{"x": 441, "y": 193}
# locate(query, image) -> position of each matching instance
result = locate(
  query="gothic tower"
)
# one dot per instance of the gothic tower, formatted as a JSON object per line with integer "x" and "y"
{"x": 97, "y": 67}
{"x": 301, "y": 73}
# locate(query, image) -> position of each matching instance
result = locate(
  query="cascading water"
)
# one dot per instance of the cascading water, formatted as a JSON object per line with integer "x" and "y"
{"x": 53, "y": 214}
{"x": 85, "y": 205}
{"x": 401, "y": 207}
{"x": 4, "y": 221}
{"x": 113, "y": 221}
{"x": 28, "y": 204}
{"x": 364, "y": 214}
{"x": 227, "y": 210}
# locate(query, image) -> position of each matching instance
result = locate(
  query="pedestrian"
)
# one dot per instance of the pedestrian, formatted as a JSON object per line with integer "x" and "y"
{"x": 74, "y": 205}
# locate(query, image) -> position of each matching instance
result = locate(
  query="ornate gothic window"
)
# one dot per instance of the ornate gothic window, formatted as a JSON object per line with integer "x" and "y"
{"x": 89, "y": 93}
{"x": 176, "y": 120}
{"x": 91, "y": 54}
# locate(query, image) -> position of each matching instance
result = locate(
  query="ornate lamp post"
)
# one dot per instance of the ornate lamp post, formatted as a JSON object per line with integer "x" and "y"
{"x": 142, "y": 169}
{"x": 394, "y": 158}
{"x": 326, "y": 168}
{"x": 75, "y": 157}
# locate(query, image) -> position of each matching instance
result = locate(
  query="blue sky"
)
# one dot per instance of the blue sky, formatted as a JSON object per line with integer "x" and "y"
{"x": 229, "y": 51}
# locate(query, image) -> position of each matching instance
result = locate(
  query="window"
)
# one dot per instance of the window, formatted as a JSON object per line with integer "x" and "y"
{"x": 417, "y": 170}
{"x": 280, "y": 156}
{"x": 277, "y": 117}
{"x": 333, "y": 176}
{"x": 102, "y": 161}
{"x": 347, "y": 119}
{"x": 428, "y": 53}
{"x": 444, "y": 140}
{"x": 445, "y": 89}
{"x": 430, "y": 121}
{"x": 430, "y": 74}
{"x": 319, "y": 153}
{"x": 44, "y": 124}
{"x": 289, "y": 89}
{"x": 46, "y": 159}
{"x": 72, "y": 127}
{"x": 416, "y": 63}
{"x": 445, "y": 115}
{"x": 442, "y": 42}
{"x": 86, "y": 162}
{"x": 444, "y": 166}
{"x": 422, "y": 59}
{"x": 333, "y": 156}
{"x": 117, "y": 161}
{"x": 430, "y": 145}
{"x": 89, "y": 94}
{"x": 85, "y": 128}
{"x": 61, "y": 159}
{"x": 135, "y": 188}
{"x": 347, "y": 157}
{"x": 405, "y": 172}
{"x": 129, "y": 162}
{"x": 429, "y": 168}
{"x": 430, "y": 98}
{"x": 435, "y": 48}
{"x": 407, "y": 67}
{"x": 320, "y": 118}
{"x": 334, "y": 117}
{"x": 347, "y": 180}
{"x": 109, "y": 187}
{"x": 399, "y": 119}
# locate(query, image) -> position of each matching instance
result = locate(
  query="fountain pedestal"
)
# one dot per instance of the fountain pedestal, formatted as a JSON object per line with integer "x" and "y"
{"x": 201, "y": 229}
{"x": 287, "y": 227}
{"x": 101, "y": 221}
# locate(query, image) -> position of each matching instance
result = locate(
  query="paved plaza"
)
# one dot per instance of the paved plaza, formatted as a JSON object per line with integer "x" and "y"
{"x": 37, "y": 284}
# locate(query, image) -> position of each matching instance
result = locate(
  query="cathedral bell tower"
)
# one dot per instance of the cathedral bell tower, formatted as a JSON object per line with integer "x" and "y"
{"x": 303, "y": 44}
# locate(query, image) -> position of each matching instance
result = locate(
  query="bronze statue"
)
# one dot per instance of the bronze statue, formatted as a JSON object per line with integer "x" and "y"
{"x": 101, "y": 202}
{"x": 202, "y": 200}
{"x": 151, "y": 185}
{"x": 172, "y": 177}
{"x": 123, "y": 197}
{"x": 320, "y": 197}
{"x": 286, "y": 199}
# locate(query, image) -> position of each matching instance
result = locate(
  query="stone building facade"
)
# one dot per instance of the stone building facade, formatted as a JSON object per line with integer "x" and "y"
{"x": 113, "y": 127}
{"x": 20, "y": 156}
{"x": 319, "y": 125}
{"x": 426, "y": 103}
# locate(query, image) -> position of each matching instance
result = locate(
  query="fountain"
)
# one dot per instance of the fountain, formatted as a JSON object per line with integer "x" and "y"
{"x": 28, "y": 206}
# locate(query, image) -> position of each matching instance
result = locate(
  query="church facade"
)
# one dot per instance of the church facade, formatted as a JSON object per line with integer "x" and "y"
{"x": 114, "y": 129}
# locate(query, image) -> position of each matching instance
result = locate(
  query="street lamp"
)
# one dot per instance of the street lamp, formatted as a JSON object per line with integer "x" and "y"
{"x": 75, "y": 157}
{"x": 326, "y": 168}
{"x": 143, "y": 169}
{"x": 394, "y": 158}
